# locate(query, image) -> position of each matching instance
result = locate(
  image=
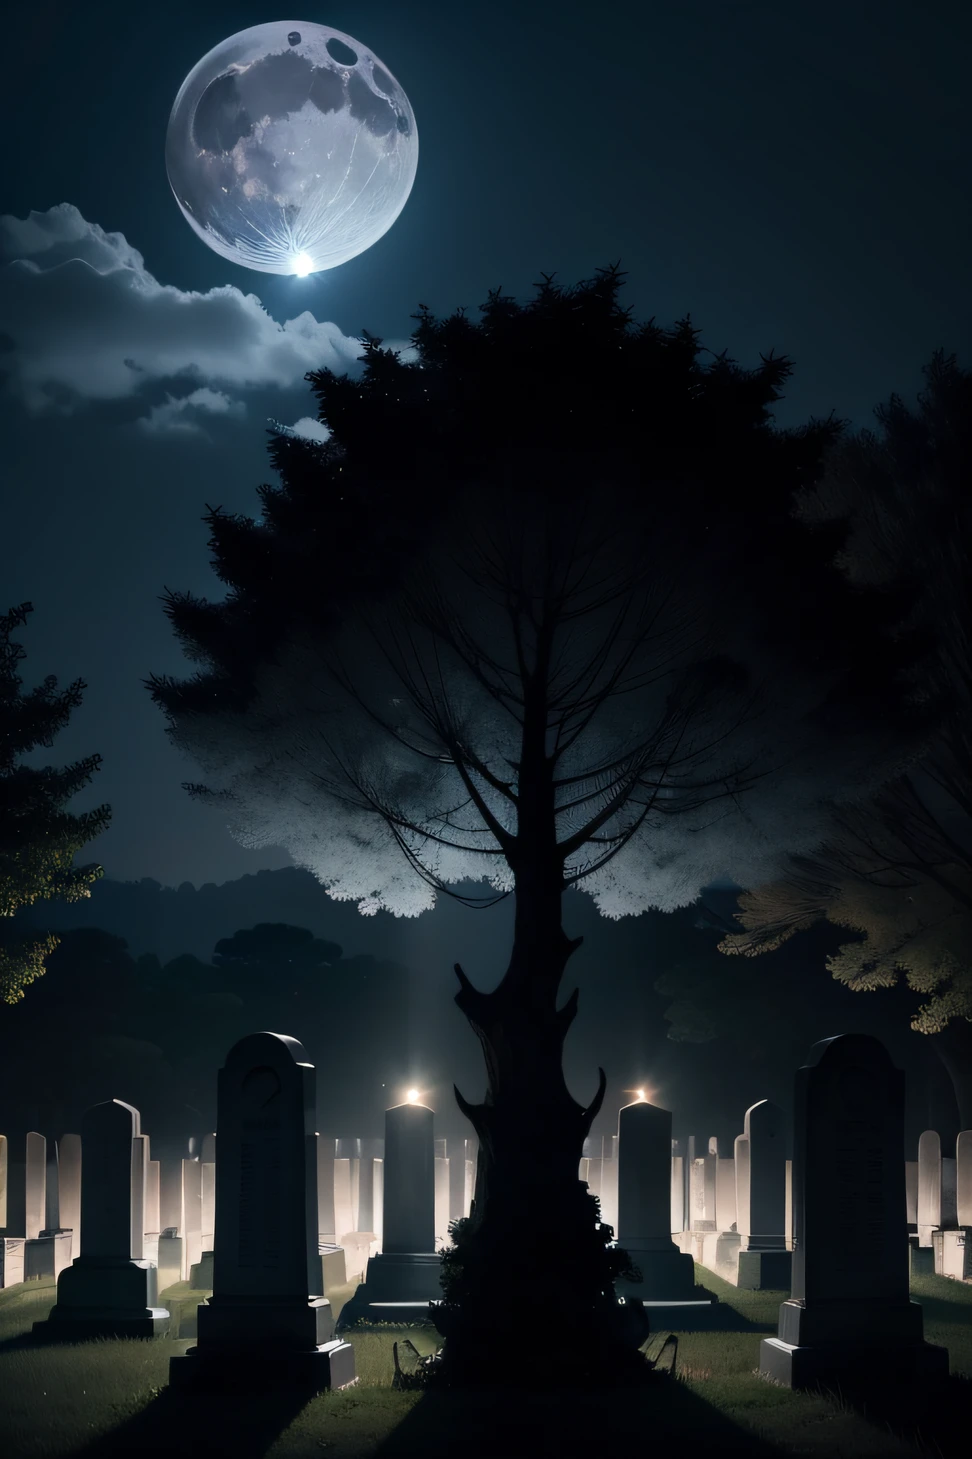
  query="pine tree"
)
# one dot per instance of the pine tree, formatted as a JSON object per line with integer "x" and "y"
{"x": 39, "y": 838}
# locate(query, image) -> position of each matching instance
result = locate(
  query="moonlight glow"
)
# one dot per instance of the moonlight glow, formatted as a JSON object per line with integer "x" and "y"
{"x": 291, "y": 148}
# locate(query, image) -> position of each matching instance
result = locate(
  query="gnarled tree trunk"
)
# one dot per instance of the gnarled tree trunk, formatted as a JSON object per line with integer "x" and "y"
{"x": 534, "y": 1258}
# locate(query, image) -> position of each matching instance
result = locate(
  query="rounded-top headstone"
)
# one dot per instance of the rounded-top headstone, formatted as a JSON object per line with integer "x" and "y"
{"x": 850, "y": 1218}
{"x": 644, "y": 1173}
{"x": 266, "y": 1174}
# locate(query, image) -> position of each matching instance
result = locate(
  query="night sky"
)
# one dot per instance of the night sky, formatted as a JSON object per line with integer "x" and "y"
{"x": 797, "y": 177}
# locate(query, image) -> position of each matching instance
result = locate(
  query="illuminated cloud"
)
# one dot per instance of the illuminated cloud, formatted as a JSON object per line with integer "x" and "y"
{"x": 85, "y": 321}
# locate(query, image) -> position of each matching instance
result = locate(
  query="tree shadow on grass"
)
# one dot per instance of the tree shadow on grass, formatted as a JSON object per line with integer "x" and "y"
{"x": 183, "y": 1421}
{"x": 721, "y": 1316}
{"x": 663, "y": 1416}
{"x": 936, "y": 1416}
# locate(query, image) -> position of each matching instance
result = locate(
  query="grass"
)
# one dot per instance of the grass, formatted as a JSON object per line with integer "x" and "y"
{"x": 111, "y": 1397}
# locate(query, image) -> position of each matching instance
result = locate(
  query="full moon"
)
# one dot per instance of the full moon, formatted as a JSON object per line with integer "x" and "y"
{"x": 291, "y": 148}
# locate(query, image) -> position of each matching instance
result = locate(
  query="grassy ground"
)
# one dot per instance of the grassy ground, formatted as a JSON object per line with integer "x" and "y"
{"x": 112, "y": 1398}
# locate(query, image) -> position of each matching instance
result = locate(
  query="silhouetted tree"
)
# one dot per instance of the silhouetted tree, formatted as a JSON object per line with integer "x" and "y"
{"x": 39, "y": 839}
{"x": 255, "y": 955}
{"x": 519, "y": 611}
{"x": 896, "y": 867}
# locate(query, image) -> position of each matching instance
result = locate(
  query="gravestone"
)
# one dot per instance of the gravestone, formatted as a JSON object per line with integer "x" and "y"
{"x": 763, "y": 1261}
{"x": 325, "y": 1189}
{"x": 207, "y": 1192}
{"x": 404, "y": 1277}
{"x": 678, "y": 1189}
{"x": 267, "y": 1322}
{"x": 52, "y": 1218}
{"x": 963, "y": 1179}
{"x": 725, "y": 1195}
{"x": 911, "y": 1193}
{"x": 644, "y": 1209}
{"x": 36, "y": 1186}
{"x": 456, "y": 1153}
{"x": 190, "y": 1223}
{"x": 153, "y": 1224}
{"x": 929, "y": 1186}
{"x": 170, "y": 1192}
{"x": 3, "y": 1182}
{"x": 442, "y": 1237}
{"x": 69, "y": 1188}
{"x": 109, "y": 1291}
{"x": 850, "y": 1319}
{"x": 788, "y": 1207}
{"x": 140, "y": 1154}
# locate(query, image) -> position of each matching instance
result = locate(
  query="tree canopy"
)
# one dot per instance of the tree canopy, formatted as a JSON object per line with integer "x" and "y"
{"x": 359, "y": 691}
{"x": 896, "y": 867}
{"x": 39, "y": 837}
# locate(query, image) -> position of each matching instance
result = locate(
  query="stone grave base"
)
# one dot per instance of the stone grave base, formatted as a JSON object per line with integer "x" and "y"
{"x": 666, "y": 1276}
{"x": 11, "y": 1260}
{"x": 398, "y": 1286}
{"x": 47, "y": 1255}
{"x": 104, "y": 1298}
{"x": 953, "y": 1253}
{"x": 720, "y": 1253}
{"x": 241, "y": 1325}
{"x": 921, "y": 1259}
{"x": 201, "y": 1276}
{"x": 848, "y": 1365}
{"x": 334, "y": 1271}
{"x": 764, "y": 1271}
{"x": 256, "y": 1368}
{"x": 170, "y": 1261}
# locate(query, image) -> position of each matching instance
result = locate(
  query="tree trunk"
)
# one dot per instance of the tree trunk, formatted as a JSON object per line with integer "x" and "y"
{"x": 954, "y": 1047}
{"x": 533, "y": 1256}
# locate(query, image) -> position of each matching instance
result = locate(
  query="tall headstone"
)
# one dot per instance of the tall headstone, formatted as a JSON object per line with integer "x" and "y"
{"x": 267, "y": 1322}
{"x": 763, "y": 1260}
{"x": 11, "y": 1247}
{"x": 325, "y": 1189}
{"x": 963, "y": 1179}
{"x": 52, "y": 1199}
{"x": 152, "y": 1212}
{"x": 36, "y": 1185}
{"x": 170, "y": 1192}
{"x": 441, "y": 1195}
{"x": 69, "y": 1188}
{"x": 644, "y": 1207}
{"x": 929, "y": 1186}
{"x": 207, "y": 1193}
{"x": 456, "y": 1152}
{"x": 140, "y": 1160}
{"x": 725, "y": 1195}
{"x": 911, "y": 1193}
{"x": 3, "y": 1182}
{"x": 109, "y": 1290}
{"x": 406, "y": 1271}
{"x": 678, "y": 1188}
{"x": 190, "y": 1224}
{"x": 849, "y": 1319}
{"x": 409, "y": 1179}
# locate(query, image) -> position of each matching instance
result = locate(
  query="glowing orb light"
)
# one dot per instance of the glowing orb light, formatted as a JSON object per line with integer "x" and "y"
{"x": 291, "y": 148}
{"x": 412, "y": 1096}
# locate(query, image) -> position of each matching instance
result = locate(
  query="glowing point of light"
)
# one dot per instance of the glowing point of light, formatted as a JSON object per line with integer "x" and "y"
{"x": 412, "y": 1096}
{"x": 303, "y": 265}
{"x": 642, "y": 1095}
